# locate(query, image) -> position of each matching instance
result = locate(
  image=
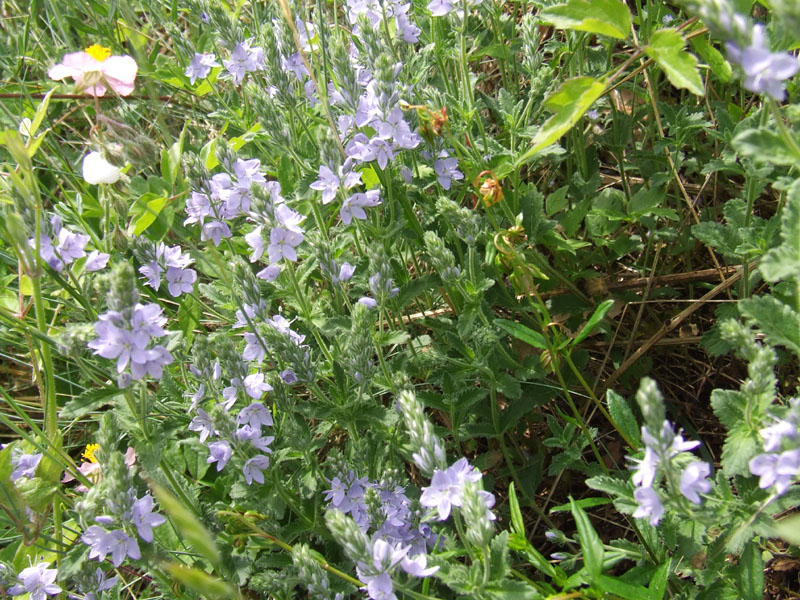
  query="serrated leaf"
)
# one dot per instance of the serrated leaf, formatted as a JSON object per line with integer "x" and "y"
{"x": 603, "y": 17}
{"x": 729, "y": 406}
{"x": 187, "y": 525}
{"x": 610, "y": 485}
{"x": 87, "y": 402}
{"x": 750, "y": 573}
{"x": 591, "y": 546}
{"x": 666, "y": 47}
{"x": 521, "y": 332}
{"x": 740, "y": 446}
{"x": 569, "y": 103}
{"x": 623, "y": 416}
{"x": 783, "y": 262}
{"x": 598, "y": 315}
{"x": 779, "y": 322}
{"x": 764, "y": 145}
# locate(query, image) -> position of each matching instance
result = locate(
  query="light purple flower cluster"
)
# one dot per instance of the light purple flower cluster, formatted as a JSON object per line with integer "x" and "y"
{"x": 376, "y": 11}
{"x": 441, "y": 8}
{"x": 660, "y": 448}
{"x": 225, "y": 197}
{"x": 779, "y": 469}
{"x": 200, "y": 66}
{"x": 398, "y": 522}
{"x": 244, "y": 59}
{"x": 67, "y": 248}
{"x": 247, "y": 432}
{"x": 447, "y": 489}
{"x": 128, "y": 336}
{"x": 36, "y": 580}
{"x": 446, "y": 168}
{"x": 93, "y": 586}
{"x": 138, "y": 514}
{"x": 180, "y": 279}
{"x": 764, "y": 71}
{"x": 385, "y": 558}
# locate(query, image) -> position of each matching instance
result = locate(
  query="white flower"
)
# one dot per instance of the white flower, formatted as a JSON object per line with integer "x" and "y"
{"x": 97, "y": 169}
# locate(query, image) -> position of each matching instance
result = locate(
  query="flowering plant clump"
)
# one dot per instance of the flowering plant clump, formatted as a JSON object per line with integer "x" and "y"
{"x": 390, "y": 299}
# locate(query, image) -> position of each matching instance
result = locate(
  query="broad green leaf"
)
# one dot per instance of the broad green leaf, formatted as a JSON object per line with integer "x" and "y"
{"x": 521, "y": 332}
{"x": 740, "y": 446}
{"x": 780, "y": 322}
{"x": 603, "y": 17}
{"x": 666, "y": 47}
{"x": 784, "y": 261}
{"x": 599, "y": 314}
{"x": 187, "y": 525}
{"x": 623, "y": 416}
{"x": 171, "y": 160}
{"x": 764, "y": 145}
{"x": 199, "y": 581}
{"x": 617, "y": 587}
{"x": 788, "y": 529}
{"x": 569, "y": 103}
{"x": 658, "y": 584}
{"x": 720, "y": 67}
{"x": 591, "y": 546}
{"x": 148, "y": 207}
{"x": 750, "y": 573}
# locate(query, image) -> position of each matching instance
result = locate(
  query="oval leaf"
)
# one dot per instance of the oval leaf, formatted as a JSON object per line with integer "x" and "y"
{"x": 603, "y": 17}
{"x": 519, "y": 331}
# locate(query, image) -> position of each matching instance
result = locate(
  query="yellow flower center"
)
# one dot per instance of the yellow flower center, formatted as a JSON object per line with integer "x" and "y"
{"x": 88, "y": 454}
{"x": 99, "y": 53}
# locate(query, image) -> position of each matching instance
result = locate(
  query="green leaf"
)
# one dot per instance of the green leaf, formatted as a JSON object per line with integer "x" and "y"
{"x": 517, "y": 523}
{"x": 599, "y": 314}
{"x": 740, "y": 446}
{"x": 199, "y": 581}
{"x": 779, "y": 322}
{"x": 148, "y": 207}
{"x": 604, "y": 17}
{"x": 591, "y": 546}
{"x": 617, "y": 587}
{"x": 658, "y": 584}
{"x": 569, "y": 103}
{"x": 198, "y": 537}
{"x": 521, "y": 332}
{"x": 750, "y": 573}
{"x": 788, "y": 529}
{"x": 583, "y": 503}
{"x": 764, "y": 145}
{"x": 729, "y": 406}
{"x": 623, "y": 416}
{"x": 783, "y": 262}
{"x": 41, "y": 111}
{"x": 87, "y": 402}
{"x": 720, "y": 67}
{"x": 666, "y": 47}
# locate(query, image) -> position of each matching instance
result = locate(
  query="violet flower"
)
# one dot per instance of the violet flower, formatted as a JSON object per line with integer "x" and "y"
{"x": 200, "y": 66}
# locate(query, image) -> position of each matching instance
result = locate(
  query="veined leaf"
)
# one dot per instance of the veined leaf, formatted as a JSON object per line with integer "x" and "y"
{"x": 666, "y": 47}
{"x": 521, "y": 332}
{"x": 599, "y": 314}
{"x": 603, "y": 17}
{"x": 569, "y": 103}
